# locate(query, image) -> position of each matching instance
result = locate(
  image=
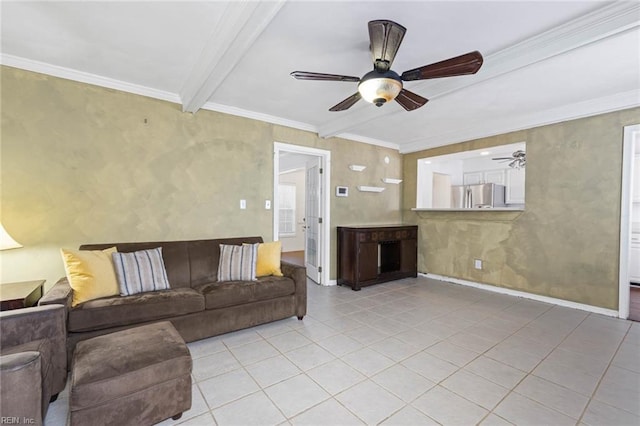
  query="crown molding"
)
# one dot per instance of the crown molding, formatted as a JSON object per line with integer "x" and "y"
{"x": 226, "y": 109}
{"x": 368, "y": 140}
{"x": 97, "y": 80}
{"x": 85, "y": 77}
{"x": 212, "y": 106}
{"x": 598, "y": 25}
{"x": 615, "y": 102}
{"x": 605, "y": 22}
{"x": 238, "y": 28}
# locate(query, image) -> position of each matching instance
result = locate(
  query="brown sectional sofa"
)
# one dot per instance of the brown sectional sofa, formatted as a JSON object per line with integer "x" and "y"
{"x": 33, "y": 362}
{"x": 197, "y": 304}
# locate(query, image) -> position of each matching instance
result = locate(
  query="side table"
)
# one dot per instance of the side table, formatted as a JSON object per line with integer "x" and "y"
{"x": 21, "y": 294}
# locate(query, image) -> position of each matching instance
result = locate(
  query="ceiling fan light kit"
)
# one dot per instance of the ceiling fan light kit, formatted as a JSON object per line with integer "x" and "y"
{"x": 378, "y": 89}
{"x": 383, "y": 85}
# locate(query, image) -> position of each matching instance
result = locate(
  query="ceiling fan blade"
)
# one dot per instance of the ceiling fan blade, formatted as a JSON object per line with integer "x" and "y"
{"x": 410, "y": 100}
{"x": 469, "y": 63}
{"x": 305, "y": 75}
{"x": 385, "y": 38}
{"x": 347, "y": 103}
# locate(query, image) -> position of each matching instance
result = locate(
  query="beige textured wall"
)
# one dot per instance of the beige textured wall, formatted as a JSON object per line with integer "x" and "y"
{"x": 566, "y": 243}
{"x": 83, "y": 164}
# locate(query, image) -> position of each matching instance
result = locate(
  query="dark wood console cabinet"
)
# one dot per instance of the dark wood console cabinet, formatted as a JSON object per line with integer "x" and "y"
{"x": 373, "y": 254}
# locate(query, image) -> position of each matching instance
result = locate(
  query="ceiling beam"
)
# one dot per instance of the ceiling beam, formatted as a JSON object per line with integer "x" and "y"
{"x": 236, "y": 31}
{"x": 597, "y": 25}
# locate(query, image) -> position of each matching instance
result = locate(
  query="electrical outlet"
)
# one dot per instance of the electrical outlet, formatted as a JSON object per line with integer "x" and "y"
{"x": 243, "y": 204}
{"x": 477, "y": 263}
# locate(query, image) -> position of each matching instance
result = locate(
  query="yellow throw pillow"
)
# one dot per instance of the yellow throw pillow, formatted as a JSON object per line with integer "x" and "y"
{"x": 90, "y": 273}
{"x": 268, "y": 262}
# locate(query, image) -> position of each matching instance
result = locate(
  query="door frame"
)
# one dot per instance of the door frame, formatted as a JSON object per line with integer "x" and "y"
{"x": 325, "y": 184}
{"x": 631, "y": 134}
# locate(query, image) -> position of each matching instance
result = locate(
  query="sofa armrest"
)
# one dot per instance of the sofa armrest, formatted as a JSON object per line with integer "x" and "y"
{"x": 20, "y": 326}
{"x": 299, "y": 276}
{"x": 21, "y": 394}
{"x": 60, "y": 294}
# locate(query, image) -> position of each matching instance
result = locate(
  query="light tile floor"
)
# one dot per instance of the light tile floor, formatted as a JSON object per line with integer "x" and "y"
{"x": 417, "y": 351}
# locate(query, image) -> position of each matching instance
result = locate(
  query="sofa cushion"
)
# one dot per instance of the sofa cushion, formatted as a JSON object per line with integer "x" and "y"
{"x": 140, "y": 271}
{"x": 174, "y": 253}
{"x": 269, "y": 259}
{"x": 272, "y": 287}
{"x": 125, "y": 310}
{"x": 237, "y": 263}
{"x": 232, "y": 293}
{"x": 188, "y": 263}
{"x": 90, "y": 273}
{"x": 204, "y": 256}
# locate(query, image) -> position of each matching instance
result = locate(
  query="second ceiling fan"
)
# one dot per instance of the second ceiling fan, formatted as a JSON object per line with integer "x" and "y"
{"x": 383, "y": 85}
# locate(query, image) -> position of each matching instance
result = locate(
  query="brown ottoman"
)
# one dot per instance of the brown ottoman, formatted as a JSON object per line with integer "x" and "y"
{"x": 138, "y": 376}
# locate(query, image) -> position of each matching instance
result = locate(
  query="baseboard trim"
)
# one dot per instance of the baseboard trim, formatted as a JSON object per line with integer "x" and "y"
{"x": 524, "y": 294}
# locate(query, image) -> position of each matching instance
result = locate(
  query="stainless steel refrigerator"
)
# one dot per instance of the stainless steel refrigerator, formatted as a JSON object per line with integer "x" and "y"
{"x": 485, "y": 195}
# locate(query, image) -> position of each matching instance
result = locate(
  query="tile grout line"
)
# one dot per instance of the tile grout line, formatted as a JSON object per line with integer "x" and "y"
{"x": 595, "y": 390}
{"x": 541, "y": 361}
{"x": 406, "y": 404}
{"x": 510, "y": 391}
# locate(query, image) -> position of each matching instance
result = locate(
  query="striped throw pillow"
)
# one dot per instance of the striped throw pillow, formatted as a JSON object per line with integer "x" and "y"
{"x": 140, "y": 271}
{"x": 237, "y": 263}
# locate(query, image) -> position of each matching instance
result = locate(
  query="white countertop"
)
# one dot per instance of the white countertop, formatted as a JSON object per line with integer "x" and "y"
{"x": 488, "y": 209}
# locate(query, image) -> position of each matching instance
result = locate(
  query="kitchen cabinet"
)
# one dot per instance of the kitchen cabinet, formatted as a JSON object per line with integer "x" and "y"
{"x": 488, "y": 176}
{"x": 513, "y": 179}
{"x": 472, "y": 178}
{"x": 373, "y": 254}
{"x": 515, "y": 186}
{"x": 494, "y": 176}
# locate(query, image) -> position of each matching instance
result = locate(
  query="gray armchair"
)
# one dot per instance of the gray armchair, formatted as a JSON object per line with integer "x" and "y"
{"x": 33, "y": 360}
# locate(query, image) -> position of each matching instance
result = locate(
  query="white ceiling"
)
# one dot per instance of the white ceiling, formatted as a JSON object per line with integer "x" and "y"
{"x": 544, "y": 61}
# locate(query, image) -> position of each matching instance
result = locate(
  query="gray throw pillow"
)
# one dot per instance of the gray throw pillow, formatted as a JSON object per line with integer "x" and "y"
{"x": 140, "y": 271}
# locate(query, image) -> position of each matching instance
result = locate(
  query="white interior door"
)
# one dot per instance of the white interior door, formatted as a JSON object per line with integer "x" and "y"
{"x": 313, "y": 211}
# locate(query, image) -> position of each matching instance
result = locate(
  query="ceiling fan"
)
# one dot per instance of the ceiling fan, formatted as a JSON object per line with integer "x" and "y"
{"x": 383, "y": 85}
{"x": 517, "y": 160}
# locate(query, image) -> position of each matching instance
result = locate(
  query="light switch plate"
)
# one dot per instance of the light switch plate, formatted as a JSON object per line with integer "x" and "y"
{"x": 267, "y": 204}
{"x": 243, "y": 204}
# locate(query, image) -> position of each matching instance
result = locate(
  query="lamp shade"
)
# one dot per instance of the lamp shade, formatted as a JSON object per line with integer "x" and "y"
{"x": 6, "y": 241}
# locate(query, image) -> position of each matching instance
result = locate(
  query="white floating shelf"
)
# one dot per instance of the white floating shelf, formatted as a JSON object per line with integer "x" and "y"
{"x": 390, "y": 180}
{"x": 370, "y": 189}
{"x": 357, "y": 168}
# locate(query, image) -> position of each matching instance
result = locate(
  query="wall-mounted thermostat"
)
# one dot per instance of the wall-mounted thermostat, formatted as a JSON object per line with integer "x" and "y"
{"x": 342, "y": 191}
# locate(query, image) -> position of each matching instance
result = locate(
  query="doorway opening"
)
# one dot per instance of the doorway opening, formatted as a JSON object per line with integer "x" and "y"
{"x": 301, "y": 207}
{"x": 629, "y": 274}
